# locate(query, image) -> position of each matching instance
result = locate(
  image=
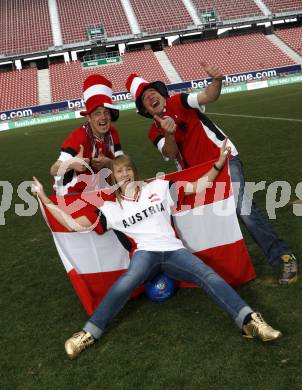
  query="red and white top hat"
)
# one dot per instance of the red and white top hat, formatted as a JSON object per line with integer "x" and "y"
{"x": 137, "y": 85}
{"x": 97, "y": 92}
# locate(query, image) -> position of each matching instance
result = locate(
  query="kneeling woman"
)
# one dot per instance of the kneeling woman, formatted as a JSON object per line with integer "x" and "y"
{"x": 158, "y": 250}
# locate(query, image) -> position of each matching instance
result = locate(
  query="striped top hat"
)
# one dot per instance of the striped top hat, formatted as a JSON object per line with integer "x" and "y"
{"x": 137, "y": 86}
{"x": 97, "y": 92}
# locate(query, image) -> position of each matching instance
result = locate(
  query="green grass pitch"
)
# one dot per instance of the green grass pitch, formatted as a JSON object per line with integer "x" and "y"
{"x": 183, "y": 343}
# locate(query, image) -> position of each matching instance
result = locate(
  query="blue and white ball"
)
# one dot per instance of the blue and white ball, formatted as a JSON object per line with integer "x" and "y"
{"x": 159, "y": 289}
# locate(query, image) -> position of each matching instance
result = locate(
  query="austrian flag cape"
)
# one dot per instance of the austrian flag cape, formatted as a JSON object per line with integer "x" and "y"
{"x": 206, "y": 223}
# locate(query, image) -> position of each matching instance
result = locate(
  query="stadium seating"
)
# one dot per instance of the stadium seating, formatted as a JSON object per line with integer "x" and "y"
{"x": 67, "y": 79}
{"x": 292, "y": 37}
{"x": 232, "y": 54}
{"x": 161, "y": 15}
{"x": 279, "y": 6}
{"x": 24, "y": 26}
{"x": 229, "y": 10}
{"x": 76, "y": 16}
{"x": 21, "y": 89}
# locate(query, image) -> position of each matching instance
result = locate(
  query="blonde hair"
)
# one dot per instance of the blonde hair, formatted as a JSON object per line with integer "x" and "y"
{"x": 123, "y": 159}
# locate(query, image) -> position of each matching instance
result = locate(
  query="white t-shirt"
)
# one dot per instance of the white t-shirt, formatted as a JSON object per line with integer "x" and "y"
{"x": 146, "y": 219}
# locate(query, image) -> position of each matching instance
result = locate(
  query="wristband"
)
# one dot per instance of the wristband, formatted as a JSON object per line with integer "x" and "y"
{"x": 216, "y": 168}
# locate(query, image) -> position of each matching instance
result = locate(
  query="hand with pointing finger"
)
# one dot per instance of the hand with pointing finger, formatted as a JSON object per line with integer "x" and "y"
{"x": 36, "y": 187}
{"x": 212, "y": 70}
{"x": 99, "y": 162}
{"x": 166, "y": 123}
{"x": 78, "y": 163}
{"x": 224, "y": 153}
{"x": 38, "y": 190}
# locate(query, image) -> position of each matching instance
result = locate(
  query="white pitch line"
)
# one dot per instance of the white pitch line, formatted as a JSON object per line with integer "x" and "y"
{"x": 257, "y": 117}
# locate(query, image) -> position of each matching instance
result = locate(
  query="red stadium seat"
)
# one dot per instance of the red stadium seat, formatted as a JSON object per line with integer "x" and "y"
{"x": 292, "y": 37}
{"x": 279, "y": 6}
{"x": 21, "y": 89}
{"x": 67, "y": 79}
{"x": 24, "y": 26}
{"x": 76, "y": 16}
{"x": 228, "y": 10}
{"x": 233, "y": 55}
{"x": 161, "y": 15}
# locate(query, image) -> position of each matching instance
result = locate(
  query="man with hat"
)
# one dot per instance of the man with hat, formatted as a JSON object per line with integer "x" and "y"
{"x": 181, "y": 131}
{"x": 90, "y": 147}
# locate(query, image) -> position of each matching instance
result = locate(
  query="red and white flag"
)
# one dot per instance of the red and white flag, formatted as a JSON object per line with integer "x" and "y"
{"x": 206, "y": 223}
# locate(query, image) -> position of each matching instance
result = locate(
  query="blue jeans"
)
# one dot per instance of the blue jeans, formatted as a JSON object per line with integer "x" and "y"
{"x": 256, "y": 223}
{"x": 179, "y": 265}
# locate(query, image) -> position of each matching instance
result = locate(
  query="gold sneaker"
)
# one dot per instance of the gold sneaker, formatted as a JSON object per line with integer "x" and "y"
{"x": 258, "y": 328}
{"x": 77, "y": 343}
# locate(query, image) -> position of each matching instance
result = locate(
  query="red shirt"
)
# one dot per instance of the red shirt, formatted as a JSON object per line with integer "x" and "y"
{"x": 197, "y": 137}
{"x": 110, "y": 146}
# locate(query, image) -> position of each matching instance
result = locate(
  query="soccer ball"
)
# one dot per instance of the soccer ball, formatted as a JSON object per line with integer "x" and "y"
{"x": 160, "y": 288}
